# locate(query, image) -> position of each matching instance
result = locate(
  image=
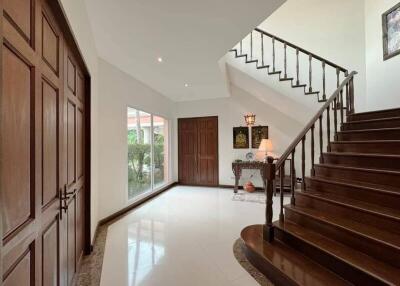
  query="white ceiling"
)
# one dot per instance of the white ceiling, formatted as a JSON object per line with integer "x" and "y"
{"x": 190, "y": 35}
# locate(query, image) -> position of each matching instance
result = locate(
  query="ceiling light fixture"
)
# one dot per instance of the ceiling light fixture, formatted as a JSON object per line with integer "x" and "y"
{"x": 160, "y": 60}
{"x": 186, "y": 85}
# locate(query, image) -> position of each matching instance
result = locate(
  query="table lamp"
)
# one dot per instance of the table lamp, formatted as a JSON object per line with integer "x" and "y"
{"x": 265, "y": 146}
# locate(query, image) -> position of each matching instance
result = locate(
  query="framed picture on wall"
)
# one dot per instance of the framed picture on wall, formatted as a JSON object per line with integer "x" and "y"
{"x": 257, "y": 134}
{"x": 391, "y": 32}
{"x": 240, "y": 137}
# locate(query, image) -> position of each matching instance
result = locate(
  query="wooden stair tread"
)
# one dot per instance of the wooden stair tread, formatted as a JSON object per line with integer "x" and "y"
{"x": 359, "y": 260}
{"x": 357, "y": 204}
{"x": 285, "y": 259}
{"x": 359, "y": 169}
{"x": 374, "y": 187}
{"x": 374, "y": 155}
{"x": 365, "y": 141}
{"x": 373, "y": 233}
{"x": 376, "y": 111}
{"x": 369, "y": 130}
{"x": 373, "y": 120}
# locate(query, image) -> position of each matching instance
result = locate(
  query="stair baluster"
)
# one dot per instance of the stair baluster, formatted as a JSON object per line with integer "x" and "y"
{"x": 323, "y": 81}
{"x": 281, "y": 189}
{"x": 310, "y": 73}
{"x": 251, "y": 45}
{"x": 273, "y": 54}
{"x": 262, "y": 49}
{"x": 335, "y": 121}
{"x": 321, "y": 139}
{"x": 285, "y": 61}
{"x": 303, "y": 163}
{"x": 292, "y": 177}
{"x": 312, "y": 149}
{"x": 297, "y": 67}
{"x": 328, "y": 128}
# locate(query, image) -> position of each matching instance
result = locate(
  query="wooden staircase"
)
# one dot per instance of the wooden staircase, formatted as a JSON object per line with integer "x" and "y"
{"x": 343, "y": 226}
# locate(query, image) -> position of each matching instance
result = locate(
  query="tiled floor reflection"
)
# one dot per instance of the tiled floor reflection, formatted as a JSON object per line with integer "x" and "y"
{"x": 183, "y": 237}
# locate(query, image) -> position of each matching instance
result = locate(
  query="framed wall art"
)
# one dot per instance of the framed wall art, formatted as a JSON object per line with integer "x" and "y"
{"x": 257, "y": 134}
{"x": 391, "y": 32}
{"x": 240, "y": 137}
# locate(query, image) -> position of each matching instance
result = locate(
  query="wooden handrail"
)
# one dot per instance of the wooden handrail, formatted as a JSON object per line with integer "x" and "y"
{"x": 302, "y": 50}
{"x": 312, "y": 122}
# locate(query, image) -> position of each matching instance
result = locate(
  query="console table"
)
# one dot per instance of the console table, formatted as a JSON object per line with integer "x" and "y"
{"x": 237, "y": 168}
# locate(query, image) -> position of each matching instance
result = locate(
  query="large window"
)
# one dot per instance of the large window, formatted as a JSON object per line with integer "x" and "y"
{"x": 147, "y": 152}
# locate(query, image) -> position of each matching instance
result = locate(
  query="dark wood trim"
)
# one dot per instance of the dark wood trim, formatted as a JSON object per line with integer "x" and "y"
{"x": 1, "y": 156}
{"x": 88, "y": 167}
{"x": 121, "y": 213}
{"x": 386, "y": 55}
{"x": 65, "y": 25}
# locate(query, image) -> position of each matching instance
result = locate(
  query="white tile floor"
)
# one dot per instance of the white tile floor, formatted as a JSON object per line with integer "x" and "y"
{"x": 183, "y": 237}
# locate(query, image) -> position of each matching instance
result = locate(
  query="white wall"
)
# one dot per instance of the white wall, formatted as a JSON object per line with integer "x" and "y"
{"x": 332, "y": 29}
{"x": 119, "y": 90}
{"x": 383, "y": 82}
{"x": 78, "y": 19}
{"x": 230, "y": 112}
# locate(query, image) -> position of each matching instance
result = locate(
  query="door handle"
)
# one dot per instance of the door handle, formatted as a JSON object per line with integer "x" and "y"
{"x": 64, "y": 196}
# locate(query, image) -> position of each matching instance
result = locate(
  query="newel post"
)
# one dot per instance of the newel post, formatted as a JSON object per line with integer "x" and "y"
{"x": 269, "y": 176}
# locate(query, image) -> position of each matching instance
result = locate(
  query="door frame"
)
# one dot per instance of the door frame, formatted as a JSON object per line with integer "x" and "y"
{"x": 69, "y": 36}
{"x": 179, "y": 153}
{"x": 1, "y": 162}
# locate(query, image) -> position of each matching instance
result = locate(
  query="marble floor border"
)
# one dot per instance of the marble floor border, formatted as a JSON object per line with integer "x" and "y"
{"x": 244, "y": 262}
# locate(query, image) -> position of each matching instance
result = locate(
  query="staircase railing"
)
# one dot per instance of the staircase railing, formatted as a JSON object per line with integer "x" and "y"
{"x": 340, "y": 102}
{"x": 257, "y": 53}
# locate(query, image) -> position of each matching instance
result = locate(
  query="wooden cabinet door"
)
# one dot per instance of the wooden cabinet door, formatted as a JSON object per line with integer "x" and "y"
{"x": 198, "y": 151}
{"x": 187, "y": 151}
{"x": 207, "y": 151}
{"x": 30, "y": 143}
{"x": 74, "y": 91}
{"x": 42, "y": 120}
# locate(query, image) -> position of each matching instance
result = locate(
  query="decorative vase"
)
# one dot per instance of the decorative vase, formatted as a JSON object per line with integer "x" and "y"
{"x": 249, "y": 187}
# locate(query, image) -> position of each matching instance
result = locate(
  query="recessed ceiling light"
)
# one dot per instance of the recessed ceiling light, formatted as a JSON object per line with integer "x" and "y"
{"x": 160, "y": 60}
{"x": 186, "y": 85}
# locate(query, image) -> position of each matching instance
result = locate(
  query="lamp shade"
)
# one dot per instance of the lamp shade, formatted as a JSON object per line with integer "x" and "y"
{"x": 265, "y": 145}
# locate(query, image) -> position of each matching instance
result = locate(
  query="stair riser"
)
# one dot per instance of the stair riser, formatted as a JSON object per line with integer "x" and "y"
{"x": 369, "y": 147}
{"x": 375, "y": 115}
{"x": 363, "y": 162}
{"x": 370, "y": 135}
{"x": 373, "y": 248}
{"x": 343, "y": 269}
{"x": 371, "y": 125}
{"x": 366, "y": 218}
{"x": 365, "y": 195}
{"x": 357, "y": 175}
{"x": 267, "y": 268}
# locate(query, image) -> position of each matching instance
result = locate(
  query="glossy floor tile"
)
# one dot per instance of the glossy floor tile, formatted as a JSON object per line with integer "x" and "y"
{"x": 183, "y": 237}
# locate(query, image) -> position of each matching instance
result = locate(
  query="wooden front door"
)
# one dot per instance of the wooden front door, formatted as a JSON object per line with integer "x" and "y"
{"x": 198, "y": 151}
{"x": 41, "y": 148}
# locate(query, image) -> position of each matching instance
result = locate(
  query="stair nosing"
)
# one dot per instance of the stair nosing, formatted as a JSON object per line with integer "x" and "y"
{"x": 329, "y": 252}
{"x": 370, "y": 130}
{"x": 354, "y": 184}
{"x": 392, "y": 172}
{"x": 365, "y": 141}
{"x": 330, "y": 222}
{"x": 373, "y": 120}
{"x": 384, "y": 155}
{"x": 376, "y": 111}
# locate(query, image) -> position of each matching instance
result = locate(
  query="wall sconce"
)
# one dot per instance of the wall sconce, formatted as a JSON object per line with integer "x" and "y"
{"x": 250, "y": 119}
